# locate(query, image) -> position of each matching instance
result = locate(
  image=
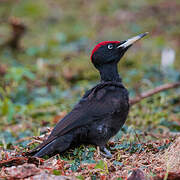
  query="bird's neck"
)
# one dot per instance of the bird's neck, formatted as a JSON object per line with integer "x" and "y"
{"x": 109, "y": 72}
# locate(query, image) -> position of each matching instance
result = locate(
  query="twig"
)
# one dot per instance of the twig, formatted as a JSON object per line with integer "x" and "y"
{"x": 18, "y": 31}
{"x": 15, "y": 161}
{"x": 154, "y": 91}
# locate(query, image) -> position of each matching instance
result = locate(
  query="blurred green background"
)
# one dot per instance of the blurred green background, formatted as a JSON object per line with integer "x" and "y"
{"x": 45, "y": 65}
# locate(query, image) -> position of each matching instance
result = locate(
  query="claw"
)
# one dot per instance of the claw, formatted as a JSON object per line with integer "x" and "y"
{"x": 106, "y": 153}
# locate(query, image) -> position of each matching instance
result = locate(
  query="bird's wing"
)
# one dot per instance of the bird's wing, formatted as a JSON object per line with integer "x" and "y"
{"x": 85, "y": 112}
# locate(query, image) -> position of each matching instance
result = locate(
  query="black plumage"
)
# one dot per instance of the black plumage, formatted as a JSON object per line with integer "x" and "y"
{"x": 101, "y": 112}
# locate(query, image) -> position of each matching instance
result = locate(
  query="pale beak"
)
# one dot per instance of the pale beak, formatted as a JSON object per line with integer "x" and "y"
{"x": 132, "y": 40}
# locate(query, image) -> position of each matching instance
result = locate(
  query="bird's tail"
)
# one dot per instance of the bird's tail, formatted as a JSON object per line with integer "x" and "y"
{"x": 46, "y": 150}
{"x": 58, "y": 145}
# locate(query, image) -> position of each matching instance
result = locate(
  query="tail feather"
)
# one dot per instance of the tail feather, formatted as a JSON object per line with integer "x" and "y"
{"x": 49, "y": 149}
{"x": 58, "y": 145}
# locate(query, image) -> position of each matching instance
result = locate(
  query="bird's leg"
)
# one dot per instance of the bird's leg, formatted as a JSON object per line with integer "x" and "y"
{"x": 104, "y": 152}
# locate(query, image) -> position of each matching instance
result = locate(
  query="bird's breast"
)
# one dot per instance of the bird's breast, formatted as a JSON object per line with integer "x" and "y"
{"x": 115, "y": 98}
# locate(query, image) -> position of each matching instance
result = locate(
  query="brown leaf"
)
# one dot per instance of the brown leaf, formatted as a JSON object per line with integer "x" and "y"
{"x": 21, "y": 171}
{"x": 137, "y": 174}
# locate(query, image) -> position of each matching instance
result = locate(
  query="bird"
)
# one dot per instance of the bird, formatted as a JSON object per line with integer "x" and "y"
{"x": 101, "y": 112}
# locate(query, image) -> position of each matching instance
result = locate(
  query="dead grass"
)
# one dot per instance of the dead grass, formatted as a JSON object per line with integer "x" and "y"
{"x": 154, "y": 162}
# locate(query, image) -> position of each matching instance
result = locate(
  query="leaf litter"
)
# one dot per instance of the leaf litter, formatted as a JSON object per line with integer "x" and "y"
{"x": 156, "y": 159}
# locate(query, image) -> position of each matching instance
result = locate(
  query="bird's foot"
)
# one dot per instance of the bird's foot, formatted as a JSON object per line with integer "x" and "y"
{"x": 104, "y": 152}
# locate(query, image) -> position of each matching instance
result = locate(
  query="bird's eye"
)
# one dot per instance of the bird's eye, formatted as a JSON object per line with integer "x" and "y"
{"x": 110, "y": 46}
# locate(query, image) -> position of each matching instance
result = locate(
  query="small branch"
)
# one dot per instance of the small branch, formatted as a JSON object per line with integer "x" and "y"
{"x": 18, "y": 30}
{"x": 15, "y": 161}
{"x": 154, "y": 91}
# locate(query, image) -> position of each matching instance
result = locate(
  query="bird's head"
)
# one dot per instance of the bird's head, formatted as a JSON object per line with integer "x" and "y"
{"x": 108, "y": 52}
